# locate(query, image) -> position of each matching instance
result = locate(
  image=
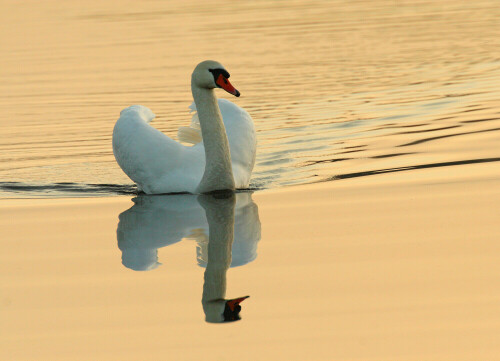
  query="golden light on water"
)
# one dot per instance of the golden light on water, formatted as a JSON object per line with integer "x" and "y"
{"x": 372, "y": 232}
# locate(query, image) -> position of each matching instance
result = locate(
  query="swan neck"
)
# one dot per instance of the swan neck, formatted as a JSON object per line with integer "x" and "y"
{"x": 218, "y": 173}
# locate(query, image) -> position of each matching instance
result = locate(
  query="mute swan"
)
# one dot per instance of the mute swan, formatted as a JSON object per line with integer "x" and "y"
{"x": 223, "y": 134}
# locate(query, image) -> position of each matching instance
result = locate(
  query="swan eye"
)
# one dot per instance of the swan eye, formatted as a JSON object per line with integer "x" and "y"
{"x": 218, "y": 72}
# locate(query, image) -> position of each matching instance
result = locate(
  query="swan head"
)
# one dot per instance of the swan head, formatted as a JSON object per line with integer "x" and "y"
{"x": 211, "y": 74}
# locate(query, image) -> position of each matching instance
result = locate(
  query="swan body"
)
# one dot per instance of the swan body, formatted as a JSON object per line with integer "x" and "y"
{"x": 222, "y": 158}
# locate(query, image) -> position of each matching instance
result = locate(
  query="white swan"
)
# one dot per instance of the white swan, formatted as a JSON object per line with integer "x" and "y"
{"x": 222, "y": 157}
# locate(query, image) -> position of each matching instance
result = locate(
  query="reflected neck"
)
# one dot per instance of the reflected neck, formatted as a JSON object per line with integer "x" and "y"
{"x": 218, "y": 173}
{"x": 220, "y": 218}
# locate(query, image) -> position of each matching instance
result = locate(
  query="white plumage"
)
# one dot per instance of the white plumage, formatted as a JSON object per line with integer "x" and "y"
{"x": 159, "y": 164}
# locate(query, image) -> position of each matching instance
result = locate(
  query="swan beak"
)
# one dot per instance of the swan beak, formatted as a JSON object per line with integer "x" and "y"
{"x": 223, "y": 83}
{"x": 235, "y": 302}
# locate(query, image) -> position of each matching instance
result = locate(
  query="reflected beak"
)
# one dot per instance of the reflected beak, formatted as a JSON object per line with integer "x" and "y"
{"x": 235, "y": 302}
{"x": 223, "y": 83}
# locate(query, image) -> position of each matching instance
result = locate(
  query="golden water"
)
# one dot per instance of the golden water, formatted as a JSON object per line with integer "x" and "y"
{"x": 334, "y": 87}
{"x": 387, "y": 112}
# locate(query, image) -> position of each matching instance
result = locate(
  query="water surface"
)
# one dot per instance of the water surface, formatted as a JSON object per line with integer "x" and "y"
{"x": 400, "y": 266}
{"x": 334, "y": 88}
{"x": 385, "y": 112}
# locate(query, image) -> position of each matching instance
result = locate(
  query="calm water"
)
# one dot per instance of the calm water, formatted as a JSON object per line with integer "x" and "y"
{"x": 362, "y": 265}
{"x": 336, "y": 88}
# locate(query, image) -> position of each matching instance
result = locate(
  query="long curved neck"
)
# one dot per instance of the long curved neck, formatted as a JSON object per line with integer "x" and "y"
{"x": 218, "y": 173}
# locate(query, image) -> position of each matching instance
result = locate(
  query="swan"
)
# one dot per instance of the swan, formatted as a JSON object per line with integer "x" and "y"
{"x": 222, "y": 134}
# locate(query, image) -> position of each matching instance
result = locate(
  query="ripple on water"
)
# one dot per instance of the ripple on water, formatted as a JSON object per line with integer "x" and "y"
{"x": 344, "y": 88}
{"x": 63, "y": 189}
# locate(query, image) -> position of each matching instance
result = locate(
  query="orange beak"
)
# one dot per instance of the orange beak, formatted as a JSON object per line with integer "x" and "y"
{"x": 223, "y": 83}
{"x": 233, "y": 303}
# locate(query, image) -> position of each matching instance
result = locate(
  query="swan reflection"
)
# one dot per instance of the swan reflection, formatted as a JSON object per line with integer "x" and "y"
{"x": 225, "y": 226}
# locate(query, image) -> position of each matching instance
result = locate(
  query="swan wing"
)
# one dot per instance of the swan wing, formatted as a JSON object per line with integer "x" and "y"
{"x": 157, "y": 163}
{"x": 191, "y": 134}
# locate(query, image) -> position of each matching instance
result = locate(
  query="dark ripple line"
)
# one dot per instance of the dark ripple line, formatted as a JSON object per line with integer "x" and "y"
{"x": 402, "y": 169}
{"x": 447, "y": 136}
{"x": 312, "y": 162}
{"x": 428, "y": 130}
{"x": 68, "y": 187}
{"x": 473, "y": 110}
{"x": 479, "y": 120}
{"x": 65, "y": 188}
{"x": 391, "y": 155}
